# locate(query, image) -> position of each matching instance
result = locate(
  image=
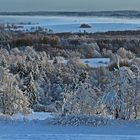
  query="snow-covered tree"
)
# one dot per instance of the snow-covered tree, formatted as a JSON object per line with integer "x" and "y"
{"x": 80, "y": 99}
{"x": 119, "y": 98}
{"x": 12, "y": 99}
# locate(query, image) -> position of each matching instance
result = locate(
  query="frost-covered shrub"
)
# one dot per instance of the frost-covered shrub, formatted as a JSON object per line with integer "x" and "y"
{"x": 74, "y": 120}
{"x": 45, "y": 108}
{"x": 107, "y": 53}
{"x": 89, "y": 50}
{"x": 58, "y": 59}
{"x": 125, "y": 54}
{"x": 76, "y": 62}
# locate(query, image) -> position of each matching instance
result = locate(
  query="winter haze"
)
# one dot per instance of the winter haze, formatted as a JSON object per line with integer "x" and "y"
{"x": 44, "y": 5}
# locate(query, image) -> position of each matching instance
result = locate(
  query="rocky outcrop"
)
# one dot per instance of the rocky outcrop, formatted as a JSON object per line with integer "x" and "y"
{"x": 85, "y": 26}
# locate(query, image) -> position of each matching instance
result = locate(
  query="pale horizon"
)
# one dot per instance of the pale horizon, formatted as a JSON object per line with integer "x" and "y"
{"x": 65, "y": 5}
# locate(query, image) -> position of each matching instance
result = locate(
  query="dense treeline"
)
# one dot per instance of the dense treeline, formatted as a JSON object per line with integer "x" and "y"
{"x": 82, "y": 45}
{"x": 30, "y": 81}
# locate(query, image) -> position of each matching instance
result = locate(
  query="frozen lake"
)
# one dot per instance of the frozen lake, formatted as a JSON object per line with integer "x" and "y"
{"x": 72, "y": 24}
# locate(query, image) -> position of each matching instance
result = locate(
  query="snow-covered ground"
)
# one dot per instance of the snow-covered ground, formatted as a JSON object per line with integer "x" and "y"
{"x": 32, "y": 116}
{"x": 96, "y": 62}
{"x": 72, "y": 24}
{"x": 38, "y": 129}
{"x": 92, "y": 62}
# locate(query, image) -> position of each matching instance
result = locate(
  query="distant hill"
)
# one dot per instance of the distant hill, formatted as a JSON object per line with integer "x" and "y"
{"x": 128, "y": 14}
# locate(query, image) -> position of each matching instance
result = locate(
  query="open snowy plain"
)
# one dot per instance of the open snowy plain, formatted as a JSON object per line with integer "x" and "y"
{"x": 35, "y": 127}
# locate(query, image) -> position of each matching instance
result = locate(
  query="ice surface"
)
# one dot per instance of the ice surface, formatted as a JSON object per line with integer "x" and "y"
{"x": 72, "y": 24}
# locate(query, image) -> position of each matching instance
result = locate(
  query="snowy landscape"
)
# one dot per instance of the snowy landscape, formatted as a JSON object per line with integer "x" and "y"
{"x": 70, "y": 75}
{"x": 45, "y": 95}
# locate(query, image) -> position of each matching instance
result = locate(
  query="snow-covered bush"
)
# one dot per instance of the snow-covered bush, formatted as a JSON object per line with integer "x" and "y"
{"x": 58, "y": 59}
{"x": 125, "y": 54}
{"x": 74, "y": 120}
